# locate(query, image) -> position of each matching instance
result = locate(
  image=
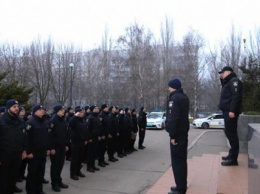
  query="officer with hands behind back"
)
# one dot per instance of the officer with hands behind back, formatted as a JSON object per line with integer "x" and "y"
{"x": 177, "y": 125}
{"x": 230, "y": 104}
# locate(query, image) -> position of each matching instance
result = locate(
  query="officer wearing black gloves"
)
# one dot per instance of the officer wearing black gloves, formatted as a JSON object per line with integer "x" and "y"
{"x": 38, "y": 146}
{"x": 177, "y": 125}
{"x": 78, "y": 141}
{"x": 12, "y": 147}
{"x": 59, "y": 145}
{"x": 230, "y": 104}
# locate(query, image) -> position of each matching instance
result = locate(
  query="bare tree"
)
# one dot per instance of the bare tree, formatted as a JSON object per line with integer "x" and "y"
{"x": 231, "y": 51}
{"x": 62, "y": 74}
{"x": 141, "y": 55}
{"x": 42, "y": 54}
{"x": 190, "y": 67}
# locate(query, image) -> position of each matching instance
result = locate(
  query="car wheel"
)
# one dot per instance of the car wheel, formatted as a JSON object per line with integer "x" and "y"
{"x": 205, "y": 125}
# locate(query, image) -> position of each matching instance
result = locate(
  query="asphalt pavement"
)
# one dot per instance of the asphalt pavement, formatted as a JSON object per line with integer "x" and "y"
{"x": 136, "y": 173}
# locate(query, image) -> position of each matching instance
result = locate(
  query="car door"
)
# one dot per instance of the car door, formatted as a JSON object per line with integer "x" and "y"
{"x": 217, "y": 121}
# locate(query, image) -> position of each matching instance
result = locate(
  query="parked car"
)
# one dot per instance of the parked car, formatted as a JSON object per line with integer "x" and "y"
{"x": 156, "y": 120}
{"x": 214, "y": 120}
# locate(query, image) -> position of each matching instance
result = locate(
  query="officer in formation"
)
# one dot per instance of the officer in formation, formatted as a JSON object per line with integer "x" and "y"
{"x": 91, "y": 133}
{"x": 78, "y": 141}
{"x": 38, "y": 147}
{"x": 59, "y": 138}
{"x": 12, "y": 147}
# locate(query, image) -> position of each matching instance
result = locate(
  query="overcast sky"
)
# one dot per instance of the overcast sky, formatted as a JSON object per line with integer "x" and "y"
{"x": 83, "y": 22}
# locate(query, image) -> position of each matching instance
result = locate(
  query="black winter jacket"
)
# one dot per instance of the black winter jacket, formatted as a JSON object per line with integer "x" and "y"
{"x": 231, "y": 94}
{"x": 59, "y": 132}
{"x": 177, "y": 116}
{"x": 105, "y": 120}
{"x": 94, "y": 125}
{"x": 79, "y": 130}
{"x": 38, "y": 139}
{"x": 11, "y": 136}
{"x": 135, "y": 127}
{"x": 142, "y": 119}
{"x": 114, "y": 124}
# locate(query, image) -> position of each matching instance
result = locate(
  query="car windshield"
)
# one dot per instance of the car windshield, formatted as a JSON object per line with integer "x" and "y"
{"x": 154, "y": 116}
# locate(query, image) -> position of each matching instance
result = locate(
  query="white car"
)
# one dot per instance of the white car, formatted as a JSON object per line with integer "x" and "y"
{"x": 215, "y": 120}
{"x": 156, "y": 120}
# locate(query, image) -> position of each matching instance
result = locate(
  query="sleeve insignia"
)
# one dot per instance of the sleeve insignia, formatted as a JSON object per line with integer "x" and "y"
{"x": 235, "y": 84}
{"x": 100, "y": 119}
{"x": 28, "y": 127}
{"x": 170, "y": 104}
{"x": 52, "y": 125}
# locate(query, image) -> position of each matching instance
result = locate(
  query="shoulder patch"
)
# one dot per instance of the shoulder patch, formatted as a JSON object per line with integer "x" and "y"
{"x": 170, "y": 104}
{"x": 52, "y": 125}
{"x": 235, "y": 84}
{"x": 28, "y": 127}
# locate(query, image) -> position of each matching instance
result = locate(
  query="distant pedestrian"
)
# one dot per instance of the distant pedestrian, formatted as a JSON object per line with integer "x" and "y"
{"x": 142, "y": 121}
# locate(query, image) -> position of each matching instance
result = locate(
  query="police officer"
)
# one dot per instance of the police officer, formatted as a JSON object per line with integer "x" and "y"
{"x": 105, "y": 134}
{"x": 21, "y": 176}
{"x": 59, "y": 145}
{"x": 94, "y": 136}
{"x": 177, "y": 125}
{"x": 230, "y": 104}
{"x": 113, "y": 131}
{"x": 121, "y": 137}
{"x": 128, "y": 126}
{"x": 68, "y": 115}
{"x": 142, "y": 121}
{"x": 38, "y": 146}
{"x": 12, "y": 147}
{"x": 134, "y": 129}
{"x": 78, "y": 141}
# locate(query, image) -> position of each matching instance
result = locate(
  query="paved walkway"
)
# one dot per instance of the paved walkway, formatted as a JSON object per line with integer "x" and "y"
{"x": 205, "y": 173}
{"x": 207, "y": 176}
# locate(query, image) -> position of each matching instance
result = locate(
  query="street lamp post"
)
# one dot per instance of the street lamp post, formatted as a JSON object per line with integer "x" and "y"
{"x": 71, "y": 65}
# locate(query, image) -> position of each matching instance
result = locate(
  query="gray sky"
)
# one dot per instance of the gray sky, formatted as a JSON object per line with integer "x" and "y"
{"x": 83, "y": 22}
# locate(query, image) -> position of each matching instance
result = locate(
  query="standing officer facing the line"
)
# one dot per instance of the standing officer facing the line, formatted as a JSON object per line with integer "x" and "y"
{"x": 230, "y": 104}
{"x": 177, "y": 125}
